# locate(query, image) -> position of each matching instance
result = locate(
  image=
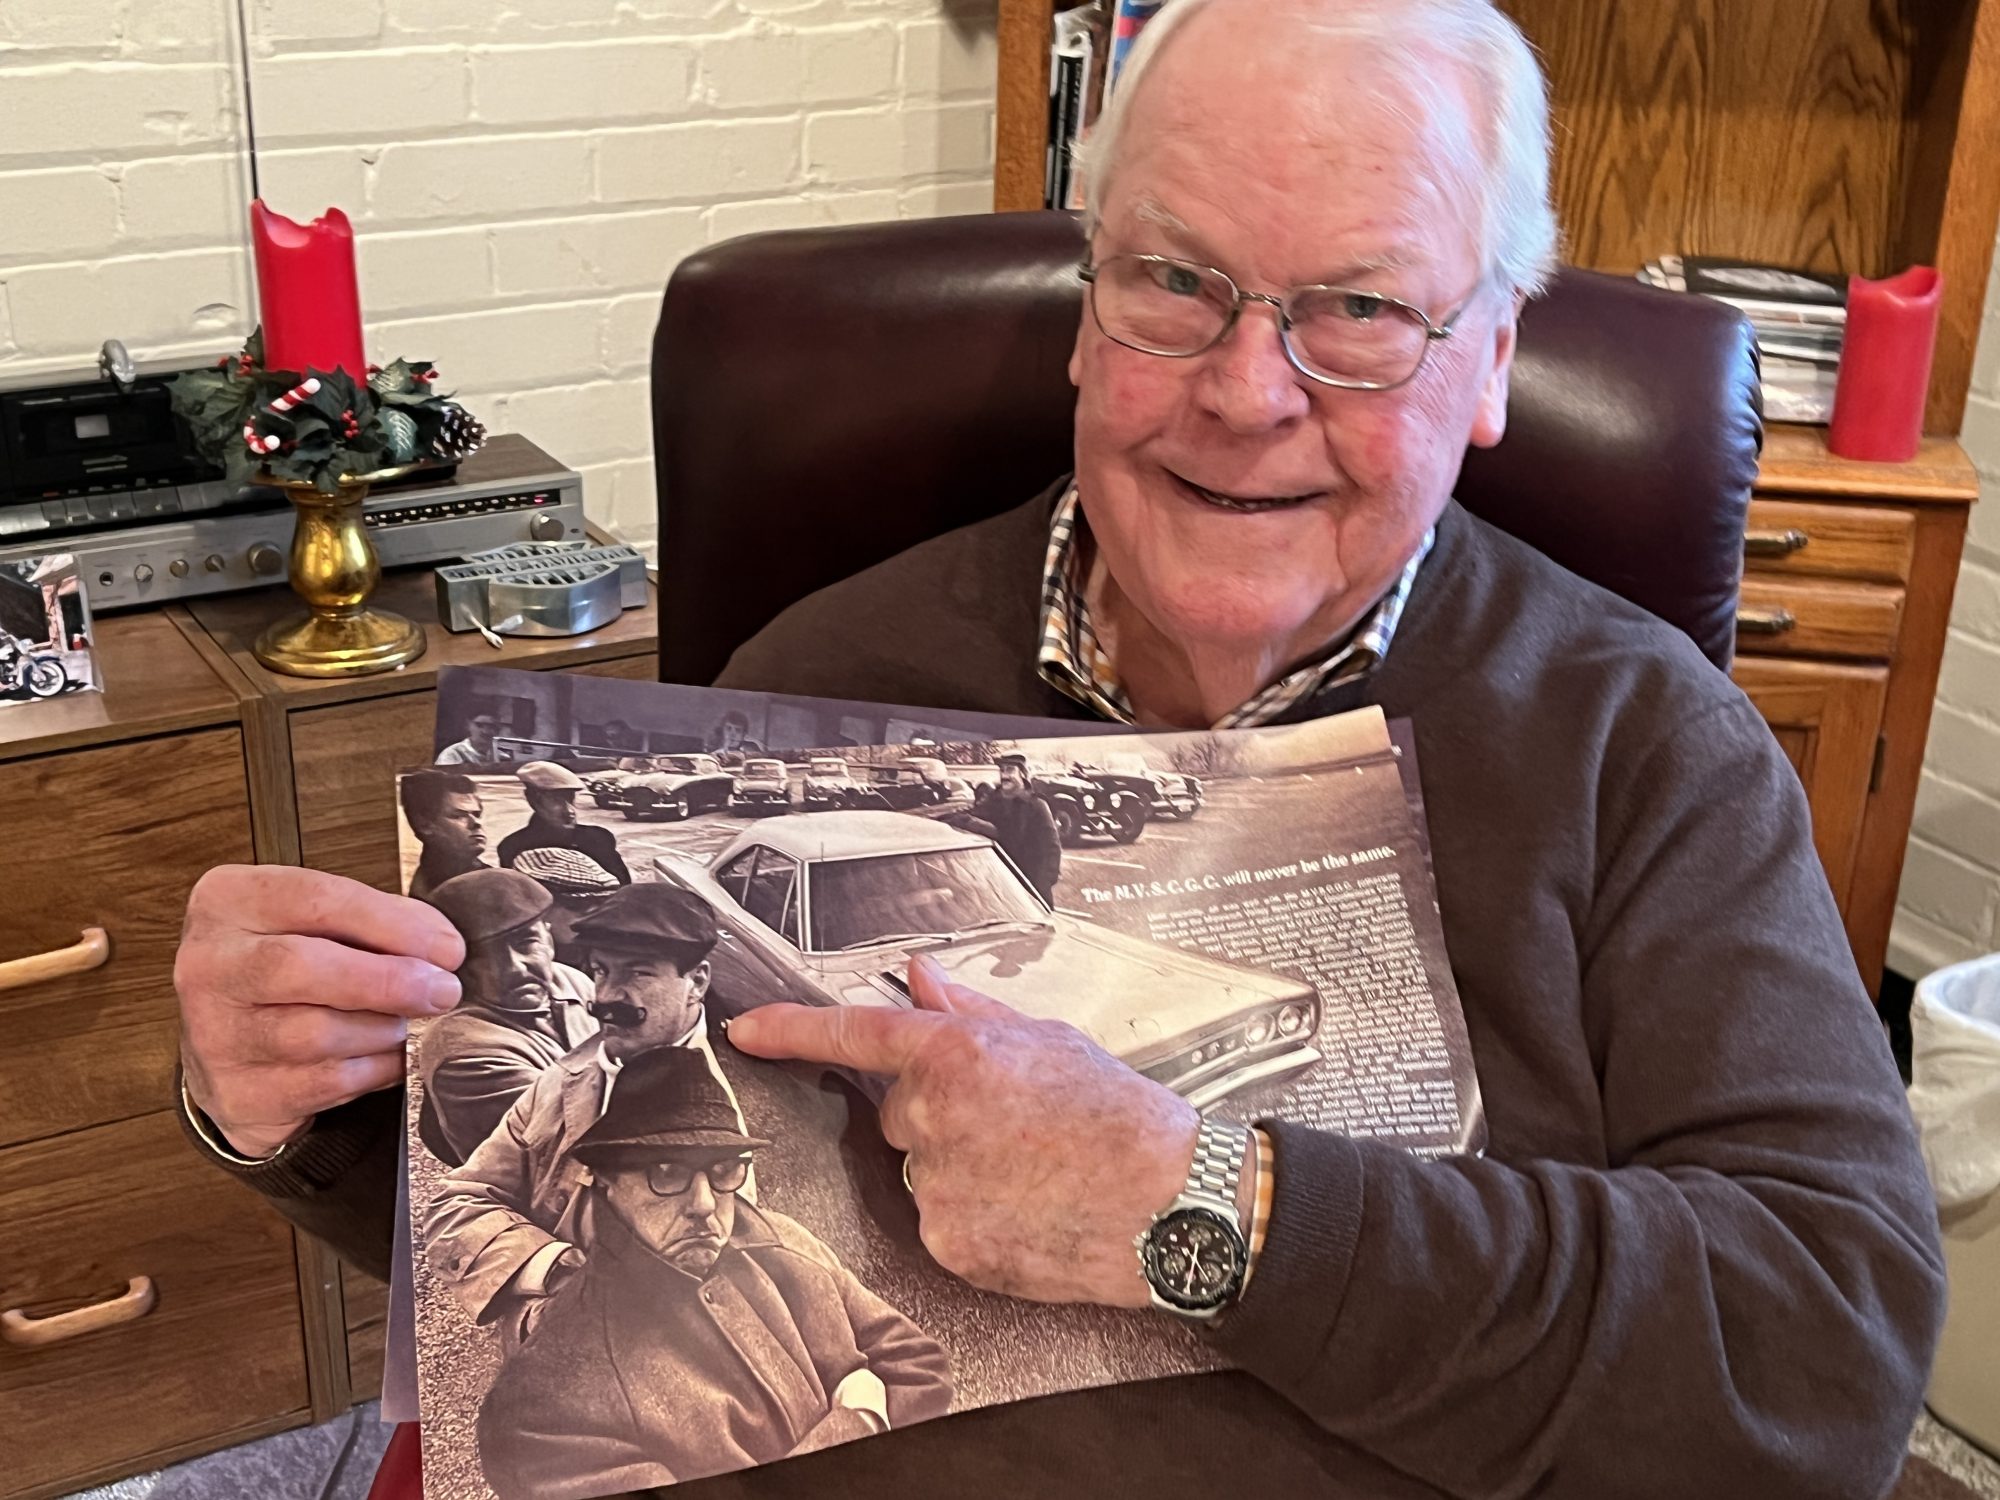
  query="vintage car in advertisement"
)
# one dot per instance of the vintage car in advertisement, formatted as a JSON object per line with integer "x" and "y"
{"x": 1091, "y": 803}
{"x": 763, "y": 786}
{"x": 828, "y": 910}
{"x": 829, "y": 784}
{"x": 607, "y": 788}
{"x": 915, "y": 781}
{"x": 1170, "y": 794}
{"x": 678, "y": 786}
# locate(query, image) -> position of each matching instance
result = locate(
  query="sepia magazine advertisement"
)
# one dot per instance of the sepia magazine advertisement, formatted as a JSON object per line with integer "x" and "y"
{"x": 639, "y": 1256}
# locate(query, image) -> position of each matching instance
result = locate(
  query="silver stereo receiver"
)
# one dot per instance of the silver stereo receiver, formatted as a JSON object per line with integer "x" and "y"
{"x": 509, "y": 491}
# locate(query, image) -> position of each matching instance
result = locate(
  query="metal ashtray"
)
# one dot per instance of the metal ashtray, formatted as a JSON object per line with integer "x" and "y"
{"x": 540, "y": 588}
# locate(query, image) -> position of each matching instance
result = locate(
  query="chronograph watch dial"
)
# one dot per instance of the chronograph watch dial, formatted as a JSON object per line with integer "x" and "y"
{"x": 1193, "y": 1255}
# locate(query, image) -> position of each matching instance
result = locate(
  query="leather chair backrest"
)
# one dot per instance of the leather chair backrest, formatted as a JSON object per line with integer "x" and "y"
{"x": 824, "y": 399}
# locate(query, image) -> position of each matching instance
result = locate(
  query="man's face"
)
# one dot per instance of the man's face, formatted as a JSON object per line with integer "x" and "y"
{"x": 514, "y": 971}
{"x": 553, "y": 806}
{"x": 481, "y": 732}
{"x": 683, "y": 1208}
{"x": 644, "y": 1000}
{"x": 455, "y": 828}
{"x": 1013, "y": 780}
{"x": 1253, "y": 147}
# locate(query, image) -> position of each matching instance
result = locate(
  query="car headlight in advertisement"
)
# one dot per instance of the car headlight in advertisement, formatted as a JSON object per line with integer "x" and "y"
{"x": 1259, "y": 1030}
{"x": 1292, "y": 1019}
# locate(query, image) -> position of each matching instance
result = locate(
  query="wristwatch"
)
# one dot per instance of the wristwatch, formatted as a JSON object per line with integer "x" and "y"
{"x": 1194, "y": 1254}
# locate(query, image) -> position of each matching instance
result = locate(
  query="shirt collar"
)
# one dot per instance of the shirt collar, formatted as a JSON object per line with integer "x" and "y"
{"x": 1072, "y": 658}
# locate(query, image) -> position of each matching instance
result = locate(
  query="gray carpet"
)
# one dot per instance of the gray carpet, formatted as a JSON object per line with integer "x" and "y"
{"x": 332, "y": 1462}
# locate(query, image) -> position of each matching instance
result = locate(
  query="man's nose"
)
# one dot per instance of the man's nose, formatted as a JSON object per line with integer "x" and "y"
{"x": 701, "y": 1197}
{"x": 1248, "y": 381}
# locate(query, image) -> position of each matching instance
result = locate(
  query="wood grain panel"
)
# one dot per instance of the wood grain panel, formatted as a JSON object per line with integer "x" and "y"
{"x": 154, "y": 683}
{"x": 345, "y": 759}
{"x": 367, "y": 1305}
{"x": 113, "y": 837}
{"x": 219, "y": 1351}
{"x": 1021, "y": 106}
{"x": 1796, "y": 461}
{"x": 1830, "y": 541}
{"x": 1826, "y": 717}
{"x": 1776, "y": 131}
{"x": 1828, "y": 618}
{"x": 1906, "y": 724}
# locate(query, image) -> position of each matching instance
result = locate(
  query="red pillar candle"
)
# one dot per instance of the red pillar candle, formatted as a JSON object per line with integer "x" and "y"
{"x": 307, "y": 293}
{"x": 1885, "y": 366}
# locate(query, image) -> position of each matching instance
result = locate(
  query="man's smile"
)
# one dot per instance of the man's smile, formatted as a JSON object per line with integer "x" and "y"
{"x": 1243, "y": 504}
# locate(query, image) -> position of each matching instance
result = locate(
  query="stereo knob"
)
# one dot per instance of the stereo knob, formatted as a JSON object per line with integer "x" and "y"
{"x": 546, "y": 529}
{"x": 214, "y": 563}
{"x": 267, "y": 560}
{"x": 178, "y": 567}
{"x": 142, "y": 574}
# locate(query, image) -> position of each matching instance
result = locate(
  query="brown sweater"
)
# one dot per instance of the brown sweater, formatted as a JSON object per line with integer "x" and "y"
{"x": 1699, "y": 1256}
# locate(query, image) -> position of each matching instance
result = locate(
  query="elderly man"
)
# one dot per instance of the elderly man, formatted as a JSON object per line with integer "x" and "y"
{"x": 1698, "y": 1256}
{"x": 698, "y": 1335}
{"x": 552, "y": 823}
{"x": 505, "y": 1224}
{"x": 443, "y": 811}
{"x": 522, "y": 1011}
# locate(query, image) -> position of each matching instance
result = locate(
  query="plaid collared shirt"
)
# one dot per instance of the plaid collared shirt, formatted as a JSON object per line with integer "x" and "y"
{"x": 1074, "y": 662}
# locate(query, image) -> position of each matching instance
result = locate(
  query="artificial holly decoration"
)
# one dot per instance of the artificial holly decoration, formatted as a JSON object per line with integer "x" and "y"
{"x": 318, "y": 426}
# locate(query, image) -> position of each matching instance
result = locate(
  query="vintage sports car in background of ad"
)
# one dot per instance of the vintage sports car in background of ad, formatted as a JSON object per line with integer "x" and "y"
{"x": 679, "y": 786}
{"x": 829, "y": 783}
{"x": 1175, "y": 794}
{"x": 1094, "y": 803}
{"x": 917, "y": 781}
{"x": 763, "y": 786}
{"x": 607, "y": 788}
{"x": 828, "y": 910}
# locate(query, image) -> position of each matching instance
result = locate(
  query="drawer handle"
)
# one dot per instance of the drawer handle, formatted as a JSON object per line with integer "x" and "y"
{"x": 36, "y": 1333}
{"x": 1774, "y": 543}
{"x": 1765, "y": 621}
{"x": 86, "y": 953}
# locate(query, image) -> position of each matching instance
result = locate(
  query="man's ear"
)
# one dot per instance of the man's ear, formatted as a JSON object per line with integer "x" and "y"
{"x": 1076, "y": 349}
{"x": 1489, "y": 417}
{"x": 697, "y": 979}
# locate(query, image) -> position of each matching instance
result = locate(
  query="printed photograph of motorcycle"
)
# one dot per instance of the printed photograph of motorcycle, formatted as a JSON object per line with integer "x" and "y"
{"x": 45, "y": 645}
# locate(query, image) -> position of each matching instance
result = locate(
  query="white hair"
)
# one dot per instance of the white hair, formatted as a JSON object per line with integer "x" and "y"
{"x": 1519, "y": 236}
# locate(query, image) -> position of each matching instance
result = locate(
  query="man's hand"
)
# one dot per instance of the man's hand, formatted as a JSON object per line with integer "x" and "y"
{"x": 296, "y": 988}
{"x": 1036, "y": 1157}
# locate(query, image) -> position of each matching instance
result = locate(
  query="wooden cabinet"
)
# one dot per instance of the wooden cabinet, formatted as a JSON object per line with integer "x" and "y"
{"x": 1847, "y": 586}
{"x": 217, "y": 1356}
{"x": 149, "y": 1308}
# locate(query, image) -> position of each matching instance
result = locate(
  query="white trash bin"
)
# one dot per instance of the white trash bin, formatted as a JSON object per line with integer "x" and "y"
{"x": 1955, "y": 1094}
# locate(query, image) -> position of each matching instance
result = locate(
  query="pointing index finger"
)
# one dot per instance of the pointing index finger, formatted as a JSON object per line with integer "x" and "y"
{"x": 867, "y": 1038}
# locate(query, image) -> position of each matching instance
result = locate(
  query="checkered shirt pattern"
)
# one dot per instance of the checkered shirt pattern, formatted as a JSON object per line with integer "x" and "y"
{"x": 1073, "y": 661}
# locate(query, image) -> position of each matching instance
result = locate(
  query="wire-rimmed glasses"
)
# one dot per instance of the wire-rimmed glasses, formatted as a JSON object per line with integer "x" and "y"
{"x": 1336, "y": 335}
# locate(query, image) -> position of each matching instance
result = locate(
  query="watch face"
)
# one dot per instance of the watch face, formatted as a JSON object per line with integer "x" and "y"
{"x": 1194, "y": 1259}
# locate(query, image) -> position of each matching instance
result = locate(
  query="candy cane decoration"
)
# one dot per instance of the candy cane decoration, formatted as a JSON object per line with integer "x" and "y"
{"x": 305, "y": 390}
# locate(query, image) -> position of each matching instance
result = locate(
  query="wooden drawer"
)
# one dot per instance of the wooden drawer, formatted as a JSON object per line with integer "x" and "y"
{"x": 1817, "y": 617}
{"x": 220, "y": 1352}
{"x": 344, "y": 762}
{"x": 1830, "y": 541}
{"x": 112, "y": 838}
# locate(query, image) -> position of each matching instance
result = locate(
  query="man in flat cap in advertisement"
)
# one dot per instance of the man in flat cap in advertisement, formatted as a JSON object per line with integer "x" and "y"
{"x": 700, "y": 1334}
{"x": 521, "y": 1011}
{"x": 552, "y": 820}
{"x": 503, "y": 1228}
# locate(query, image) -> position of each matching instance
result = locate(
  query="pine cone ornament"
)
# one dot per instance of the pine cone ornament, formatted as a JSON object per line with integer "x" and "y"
{"x": 460, "y": 434}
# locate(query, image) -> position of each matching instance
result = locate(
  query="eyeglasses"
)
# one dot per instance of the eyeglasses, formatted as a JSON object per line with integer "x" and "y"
{"x": 669, "y": 1179}
{"x": 1336, "y": 335}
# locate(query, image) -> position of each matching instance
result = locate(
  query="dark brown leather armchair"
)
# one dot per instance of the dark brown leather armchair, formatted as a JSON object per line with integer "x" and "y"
{"x": 823, "y": 399}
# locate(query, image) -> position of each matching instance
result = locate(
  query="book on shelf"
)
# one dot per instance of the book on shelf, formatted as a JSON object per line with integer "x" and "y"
{"x": 1077, "y": 65}
{"x": 1799, "y": 319}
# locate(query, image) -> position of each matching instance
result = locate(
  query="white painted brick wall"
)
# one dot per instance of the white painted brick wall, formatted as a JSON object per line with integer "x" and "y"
{"x": 1949, "y": 906}
{"x": 523, "y": 175}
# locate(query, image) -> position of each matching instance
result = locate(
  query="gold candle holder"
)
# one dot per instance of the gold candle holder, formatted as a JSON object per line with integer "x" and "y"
{"x": 334, "y": 569}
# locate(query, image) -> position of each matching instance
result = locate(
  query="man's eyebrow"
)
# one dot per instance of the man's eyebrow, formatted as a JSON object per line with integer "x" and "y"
{"x": 1155, "y": 213}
